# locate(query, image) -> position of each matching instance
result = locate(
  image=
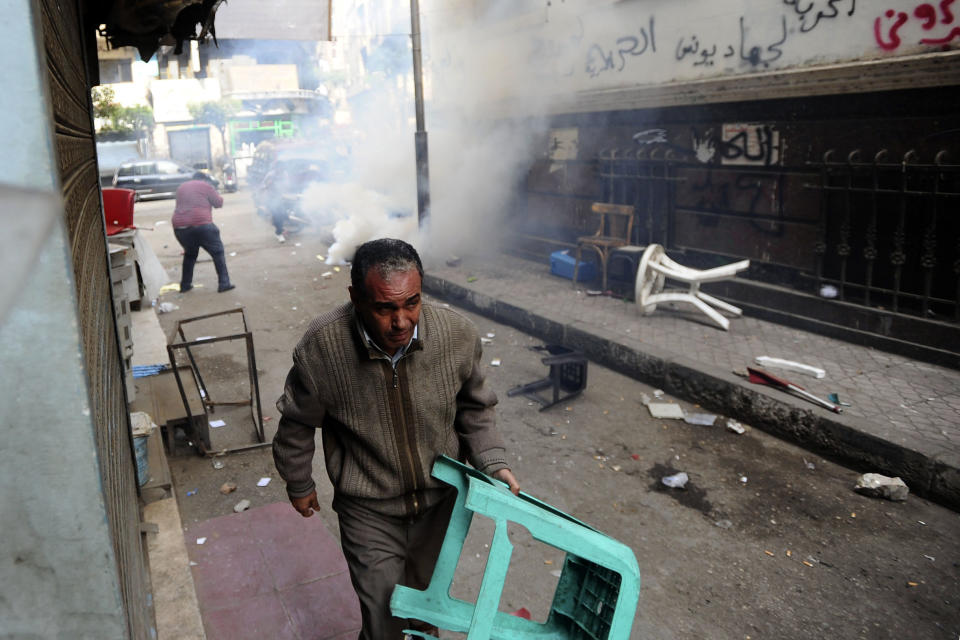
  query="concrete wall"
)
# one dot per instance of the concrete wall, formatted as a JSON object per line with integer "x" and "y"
{"x": 58, "y": 572}
{"x": 558, "y": 53}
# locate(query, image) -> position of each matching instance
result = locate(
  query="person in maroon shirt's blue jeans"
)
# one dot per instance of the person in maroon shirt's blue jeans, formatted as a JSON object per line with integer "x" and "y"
{"x": 193, "y": 226}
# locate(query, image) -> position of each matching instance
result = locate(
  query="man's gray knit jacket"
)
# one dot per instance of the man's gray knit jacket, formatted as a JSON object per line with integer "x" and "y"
{"x": 382, "y": 428}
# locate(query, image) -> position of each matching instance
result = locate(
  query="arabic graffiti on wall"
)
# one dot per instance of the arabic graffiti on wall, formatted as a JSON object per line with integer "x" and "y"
{"x": 564, "y": 144}
{"x": 750, "y": 144}
{"x": 930, "y": 24}
{"x": 592, "y": 45}
{"x": 600, "y": 59}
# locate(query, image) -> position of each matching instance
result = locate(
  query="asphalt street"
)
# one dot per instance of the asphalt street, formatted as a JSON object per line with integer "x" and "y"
{"x": 765, "y": 540}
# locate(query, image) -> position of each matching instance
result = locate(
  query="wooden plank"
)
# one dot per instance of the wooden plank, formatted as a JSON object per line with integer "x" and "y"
{"x": 157, "y": 461}
{"x": 149, "y": 339}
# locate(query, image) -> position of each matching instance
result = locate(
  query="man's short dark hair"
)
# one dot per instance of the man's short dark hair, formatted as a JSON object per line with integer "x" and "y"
{"x": 386, "y": 255}
{"x": 200, "y": 175}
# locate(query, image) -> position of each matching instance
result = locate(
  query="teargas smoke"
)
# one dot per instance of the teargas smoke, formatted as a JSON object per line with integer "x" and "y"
{"x": 478, "y": 153}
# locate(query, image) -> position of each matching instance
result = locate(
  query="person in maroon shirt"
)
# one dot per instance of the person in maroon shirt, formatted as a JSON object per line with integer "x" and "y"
{"x": 193, "y": 226}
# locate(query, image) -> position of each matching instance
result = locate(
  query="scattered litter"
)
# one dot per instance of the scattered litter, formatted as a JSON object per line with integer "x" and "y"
{"x": 267, "y": 418}
{"x": 233, "y": 254}
{"x": 702, "y": 419}
{"x": 217, "y": 463}
{"x": 320, "y": 257}
{"x": 201, "y": 540}
{"x": 930, "y": 558}
{"x": 228, "y": 487}
{"x": 828, "y": 291}
{"x": 594, "y": 292}
{"x": 297, "y": 244}
{"x": 337, "y": 269}
{"x": 676, "y": 481}
{"x": 879, "y": 486}
{"x": 723, "y": 524}
{"x": 522, "y": 613}
{"x": 453, "y": 261}
{"x": 160, "y": 222}
{"x": 201, "y": 338}
{"x": 921, "y": 522}
{"x": 769, "y": 553}
{"x": 913, "y": 584}
{"x": 743, "y": 479}
{"x": 262, "y": 482}
{"x": 217, "y": 423}
{"x": 835, "y": 399}
{"x": 788, "y": 553}
{"x": 616, "y": 467}
{"x": 666, "y": 410}
{"x": 735, "y": 426}
{"x": 293, "y": 253}
{"x": 243, "y": 505}
{"x": 485, "y": 340}
{"x": 194, "y": 564}
{"x": 293, "y": 308}
{"x": 658, "y": 393}
{"x": 790, "y": 365}
{"x": 192, "y": 492}
{"x": 635, "y": 456}
{"x": 326, "y": 274}
{"x": 556, "y": 573}
{"x": 491, "y": 335}
{"x": 758, "y": 376}
{"x": 173, "y": 286}
{"x": 472, "y": 279}
{"x": 644, "y": 398}
{"x": 495, "y": 362}
{"x": 147, "y": 370}
{"x": 166, "y": 307}
{"x": 809, "y": 564}
{"x": 809, "y": 465}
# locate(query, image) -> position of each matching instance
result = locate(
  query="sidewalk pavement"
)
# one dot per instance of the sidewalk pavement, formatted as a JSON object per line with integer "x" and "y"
{"x": 248, "y": 587}
{"x": 904, "y": 418}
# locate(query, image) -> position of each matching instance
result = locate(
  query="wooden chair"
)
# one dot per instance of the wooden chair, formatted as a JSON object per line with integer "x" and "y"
{"x": 614, "y": 230}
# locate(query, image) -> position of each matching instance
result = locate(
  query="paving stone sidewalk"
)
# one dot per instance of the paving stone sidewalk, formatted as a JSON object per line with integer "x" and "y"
{"x": 904, "y": 417}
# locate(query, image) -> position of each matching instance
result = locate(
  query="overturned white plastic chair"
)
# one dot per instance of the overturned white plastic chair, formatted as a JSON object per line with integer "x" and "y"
{"x": 656, "y": 268}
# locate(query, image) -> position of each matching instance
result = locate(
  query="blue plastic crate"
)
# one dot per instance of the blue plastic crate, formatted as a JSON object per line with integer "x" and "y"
{"x": 561, "y": 264}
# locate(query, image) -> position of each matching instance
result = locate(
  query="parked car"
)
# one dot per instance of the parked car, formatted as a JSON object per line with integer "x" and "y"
{"x": 154, "y": 177}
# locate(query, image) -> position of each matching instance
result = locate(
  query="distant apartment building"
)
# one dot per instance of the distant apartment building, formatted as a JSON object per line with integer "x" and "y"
{"x": 265, "y": 65}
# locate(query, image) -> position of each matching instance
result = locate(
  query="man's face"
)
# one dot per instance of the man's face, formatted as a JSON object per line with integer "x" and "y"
{"x": 391, "y": 307}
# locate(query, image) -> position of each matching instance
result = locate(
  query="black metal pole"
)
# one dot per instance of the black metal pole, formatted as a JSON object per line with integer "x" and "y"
{"x": 420, "y": 137}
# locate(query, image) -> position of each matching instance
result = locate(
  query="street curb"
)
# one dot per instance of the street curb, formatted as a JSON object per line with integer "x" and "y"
{"x": 838, "y": 437}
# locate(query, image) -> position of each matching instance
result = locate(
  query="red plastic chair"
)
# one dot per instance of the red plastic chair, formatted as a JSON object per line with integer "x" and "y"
{"x": 118, "y": 210}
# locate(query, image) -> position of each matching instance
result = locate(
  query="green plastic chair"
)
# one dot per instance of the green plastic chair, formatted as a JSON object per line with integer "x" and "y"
{"x": 599, "y": 586}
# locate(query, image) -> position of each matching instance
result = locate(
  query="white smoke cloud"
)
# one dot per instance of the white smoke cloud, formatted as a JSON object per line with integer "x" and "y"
{"x": 477, "y": 158}
{"x": 356, "y": 214}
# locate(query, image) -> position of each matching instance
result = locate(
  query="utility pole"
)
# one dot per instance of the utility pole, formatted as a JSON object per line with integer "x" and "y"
{"x": 420, "y": 137}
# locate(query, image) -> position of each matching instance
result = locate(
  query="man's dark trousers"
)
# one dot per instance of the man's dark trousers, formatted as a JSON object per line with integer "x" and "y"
{"x": 192, "y": 239}
{"x": 383, "y": 551}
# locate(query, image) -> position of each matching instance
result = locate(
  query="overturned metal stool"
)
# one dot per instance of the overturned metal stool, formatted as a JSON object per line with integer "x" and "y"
{"x": 184, "y": 363}
{"x": 568, "y": 373}
{"x": 599, "y": 587}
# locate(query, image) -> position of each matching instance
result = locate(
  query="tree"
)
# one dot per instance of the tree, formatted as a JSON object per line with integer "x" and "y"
{"x": 216, "y": 113}
{"x": 118, "y": 121}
